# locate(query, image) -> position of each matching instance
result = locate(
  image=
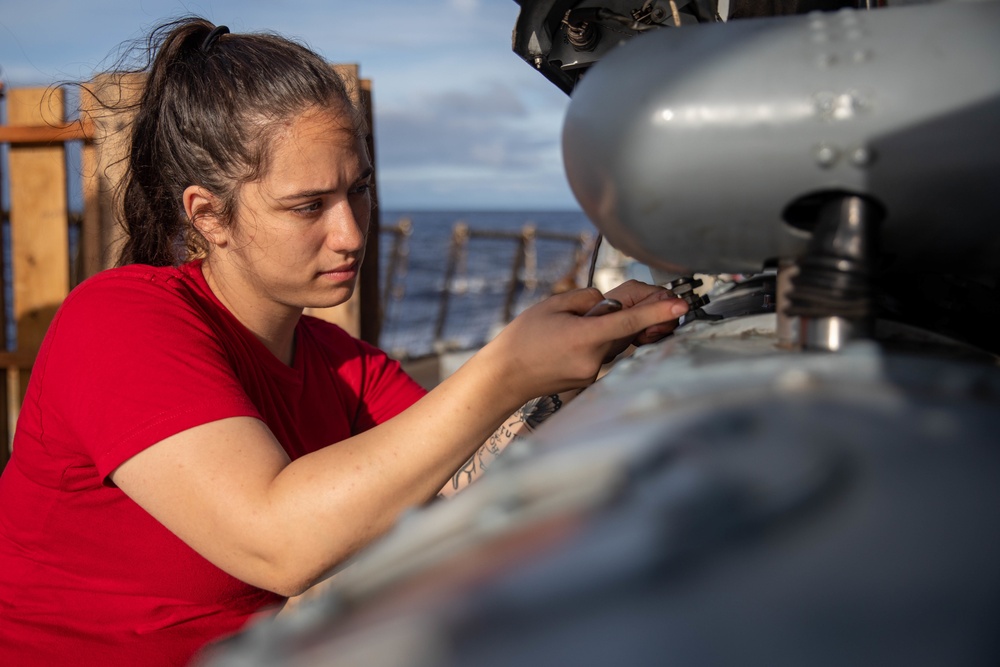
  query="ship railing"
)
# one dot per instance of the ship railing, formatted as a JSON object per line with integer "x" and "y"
{"x": 524, "y": 274}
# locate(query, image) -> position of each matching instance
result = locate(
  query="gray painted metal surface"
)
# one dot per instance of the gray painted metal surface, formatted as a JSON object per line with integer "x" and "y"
{"x": 687, "y": 146}
{"x": 725, "y": 497}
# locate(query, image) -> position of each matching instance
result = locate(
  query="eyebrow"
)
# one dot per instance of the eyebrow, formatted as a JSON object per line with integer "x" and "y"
{"x": 305, "y": 194}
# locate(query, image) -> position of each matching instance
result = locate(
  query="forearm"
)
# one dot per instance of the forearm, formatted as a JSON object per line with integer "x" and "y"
{"x": 354, "y": 491}
{"x": 519, "y": 425}
{"x": 447, "y": 470}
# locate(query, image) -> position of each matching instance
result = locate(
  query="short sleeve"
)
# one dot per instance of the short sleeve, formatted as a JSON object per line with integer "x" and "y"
{"x": 386, "y": 390}
{"x": 127, "y": 362}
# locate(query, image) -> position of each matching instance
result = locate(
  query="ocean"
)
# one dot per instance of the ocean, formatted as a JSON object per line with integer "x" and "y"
{"x": 439, "y": 294}
{"x": 421, "y": 316}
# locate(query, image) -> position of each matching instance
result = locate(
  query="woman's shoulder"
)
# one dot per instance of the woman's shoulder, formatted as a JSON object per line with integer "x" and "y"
{"x": 133, "y": 284}
{"x": 132, "y": 276}
{"x": 136, "y": 298}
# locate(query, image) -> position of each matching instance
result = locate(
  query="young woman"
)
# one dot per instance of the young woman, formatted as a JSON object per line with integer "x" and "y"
{"x": 192, "y": 449}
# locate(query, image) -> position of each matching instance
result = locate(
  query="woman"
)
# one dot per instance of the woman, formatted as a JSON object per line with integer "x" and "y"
{"x": 173, "y": 472}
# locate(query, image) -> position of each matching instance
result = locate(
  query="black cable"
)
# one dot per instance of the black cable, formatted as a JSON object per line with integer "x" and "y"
{"x": 593, "y": 260}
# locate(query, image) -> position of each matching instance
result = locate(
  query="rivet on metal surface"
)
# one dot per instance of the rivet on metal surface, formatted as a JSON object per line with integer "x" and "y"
{"x": 860, "y": 101}
{"x": 862, "y": 156}
{"x": 826, "y": 155}
{"x": 823, "y": 101}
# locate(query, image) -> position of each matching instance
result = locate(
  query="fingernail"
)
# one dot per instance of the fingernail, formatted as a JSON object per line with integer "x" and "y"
{"x": 679, "y": 309}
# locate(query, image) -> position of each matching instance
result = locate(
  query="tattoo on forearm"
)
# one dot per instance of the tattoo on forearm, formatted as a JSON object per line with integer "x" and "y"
{"x": 488, "y": 452}
{"x": 528, "y": 417}
{"x": 468, "y": 471}
{"x": 537, "y": 410}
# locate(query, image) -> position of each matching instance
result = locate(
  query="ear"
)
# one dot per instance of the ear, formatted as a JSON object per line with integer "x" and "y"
{"x": 200, "y": 205}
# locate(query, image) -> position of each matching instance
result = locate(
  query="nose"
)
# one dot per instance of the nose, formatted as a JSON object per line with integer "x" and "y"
{"x": 347, "y": 230}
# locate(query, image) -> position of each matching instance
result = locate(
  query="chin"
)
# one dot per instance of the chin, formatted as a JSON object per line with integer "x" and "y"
{"x": 331, "y": 299}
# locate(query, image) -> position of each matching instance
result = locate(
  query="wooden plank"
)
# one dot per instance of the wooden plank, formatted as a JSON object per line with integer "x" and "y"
{"x": 6, "y": 424}
{"x": 38, "y": 221}
{"x": 45, "y": 134}
{"x": 369, "y": 289}
{"x": 91, "y": 259}
{"x": 19, "y": 359}
{"x": 107, "y": 104}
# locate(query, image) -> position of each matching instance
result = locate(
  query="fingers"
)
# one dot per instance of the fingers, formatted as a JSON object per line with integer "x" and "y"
{"x": 653, "y": 314}
{"x": 661, "y": 329}
{"x": 552, "y": 346}
{"x": 652, "y": 309}
{"x": 632, "y": 292}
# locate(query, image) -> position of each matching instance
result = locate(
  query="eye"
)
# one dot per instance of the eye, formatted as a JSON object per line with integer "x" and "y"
{"x": 309, "y": 208}
{"x": 361, "y": 188}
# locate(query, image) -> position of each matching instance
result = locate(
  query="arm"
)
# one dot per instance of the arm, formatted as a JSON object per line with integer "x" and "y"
{"x": 519, "y": 425}
{"x": 229, "y": 491}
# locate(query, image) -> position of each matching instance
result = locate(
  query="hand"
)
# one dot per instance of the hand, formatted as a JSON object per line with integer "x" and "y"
{"x": 632, "y": 293}
{"x": 551, "y": 348}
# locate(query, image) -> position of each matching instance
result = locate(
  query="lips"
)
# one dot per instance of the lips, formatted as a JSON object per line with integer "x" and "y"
{"x": 341, "y": 273}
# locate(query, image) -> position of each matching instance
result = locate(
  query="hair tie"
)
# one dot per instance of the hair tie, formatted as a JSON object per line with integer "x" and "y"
{"x": 213, "y": 37}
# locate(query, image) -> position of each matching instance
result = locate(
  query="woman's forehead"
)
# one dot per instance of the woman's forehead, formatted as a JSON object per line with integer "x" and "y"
{"x": 314, "y": 149}
{"x": 317, "y": 123}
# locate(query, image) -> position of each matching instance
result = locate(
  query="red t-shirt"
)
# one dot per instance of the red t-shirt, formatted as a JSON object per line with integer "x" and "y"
{"x": 133, "y": 356}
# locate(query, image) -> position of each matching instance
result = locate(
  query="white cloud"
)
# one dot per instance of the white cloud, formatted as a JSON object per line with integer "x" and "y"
{"x": 450, "y": 95}
{"x": 465, "y": 6}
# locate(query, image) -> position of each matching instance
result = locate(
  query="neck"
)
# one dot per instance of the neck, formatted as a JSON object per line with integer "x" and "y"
{"x": 272, "y": 323}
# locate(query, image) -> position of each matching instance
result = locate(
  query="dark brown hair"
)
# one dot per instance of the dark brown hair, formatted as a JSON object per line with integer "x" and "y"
{"x": 206, "y": 116}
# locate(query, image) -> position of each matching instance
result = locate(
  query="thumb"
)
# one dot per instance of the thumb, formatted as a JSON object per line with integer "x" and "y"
{"x": 577, "y": 301}
{"x": 581, "y": 300}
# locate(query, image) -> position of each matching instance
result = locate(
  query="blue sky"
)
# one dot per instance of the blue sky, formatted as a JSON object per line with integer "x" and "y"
{"x": 460, "y": 121}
